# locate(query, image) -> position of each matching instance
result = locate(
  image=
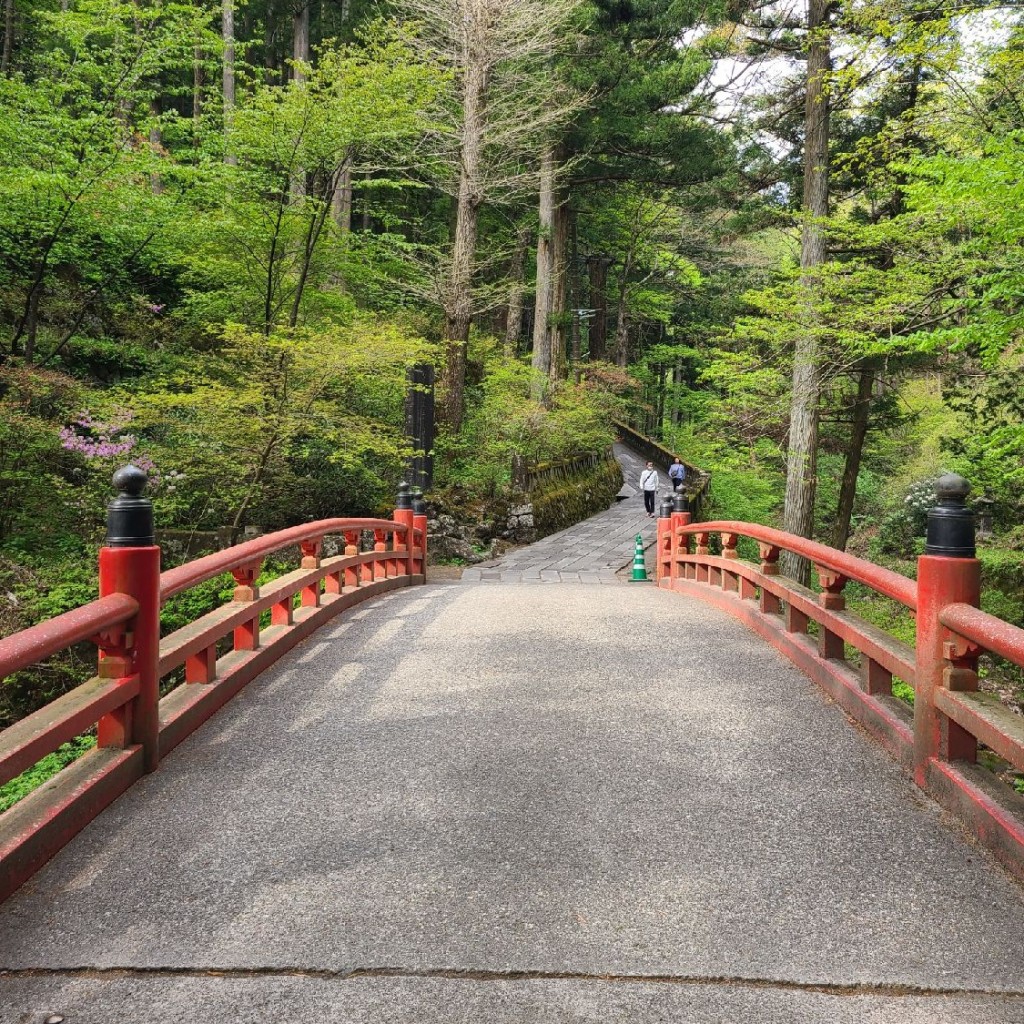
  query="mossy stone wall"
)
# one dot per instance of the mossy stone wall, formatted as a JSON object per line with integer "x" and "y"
{"x": 576, "y": 498}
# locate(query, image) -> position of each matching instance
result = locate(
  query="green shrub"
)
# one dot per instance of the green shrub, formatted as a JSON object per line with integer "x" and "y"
{"x": 20, "y": 787}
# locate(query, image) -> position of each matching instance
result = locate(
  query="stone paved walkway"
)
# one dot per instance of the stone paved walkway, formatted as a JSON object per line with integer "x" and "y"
{"x": 589, "y": 552}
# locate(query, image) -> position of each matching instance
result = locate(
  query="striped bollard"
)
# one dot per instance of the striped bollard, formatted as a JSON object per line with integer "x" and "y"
{"x": 639, "y": 565}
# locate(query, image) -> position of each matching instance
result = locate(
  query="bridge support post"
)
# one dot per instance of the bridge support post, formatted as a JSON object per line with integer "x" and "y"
{"x": 419, "y": 522}
{"x": 681, "y": 516}
{"x": 404, "y": 545}
{"x": 947, "y": 573}
{"x": 129, "y": 564}
{"x": 666, "y": 547}
{"x": 351, "y": 548}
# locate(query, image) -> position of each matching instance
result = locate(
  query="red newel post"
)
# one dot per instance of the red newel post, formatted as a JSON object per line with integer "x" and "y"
{"x": 947, "y": 573}
{"x": 681, "y": 516}
{"x": 404, "y": 542}
{"x": 130, "y": 564}
{"x": 664, "y": 547}
{"x": 419, "y": 522}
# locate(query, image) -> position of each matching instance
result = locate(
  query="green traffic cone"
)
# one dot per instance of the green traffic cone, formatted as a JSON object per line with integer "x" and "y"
{"x": 639, "y": 565}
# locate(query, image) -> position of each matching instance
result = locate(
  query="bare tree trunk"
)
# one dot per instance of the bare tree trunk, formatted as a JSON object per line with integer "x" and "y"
{"x": 32, "y": 326}
{"x": 300, "y": 58}
{"x": 156, "y": 145}
{"x": 854, "y": 454}
{"x": 677, "y": 381}
{"x": 8, "y": 50}
{"x": 802, "y": 461}
{"x": 270, "y": 45}
{"x": 544, "y": 300}
{"x": 300, "y": 42}
{"x": 341, "y": 204}
{"x": 459, "y": 298}
{"x": 517, "y": 279}
{"x": 197, "y": 88}
{"x": 228, "y": 35}
{"x": 622, "y": 317}
{"x": 575, "y": 340}
{"x": 659, "y": 415}
{"x": 559, "y": 289}
{"x": 599, "y": 303}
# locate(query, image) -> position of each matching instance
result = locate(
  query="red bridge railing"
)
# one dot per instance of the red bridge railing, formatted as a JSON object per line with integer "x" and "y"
{"x": 220, "y": 652}
{"x": 938, "y": 739}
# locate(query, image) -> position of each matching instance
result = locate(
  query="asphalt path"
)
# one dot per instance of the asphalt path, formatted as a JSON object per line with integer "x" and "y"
{"x": 511, "y": 804}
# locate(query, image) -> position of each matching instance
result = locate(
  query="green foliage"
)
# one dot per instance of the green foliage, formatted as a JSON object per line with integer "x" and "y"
{"x": 77, "y": 213}
{"x": 267, "y": 249}
{"x": 44, "y": 770}
{"x": 503, "y": 421}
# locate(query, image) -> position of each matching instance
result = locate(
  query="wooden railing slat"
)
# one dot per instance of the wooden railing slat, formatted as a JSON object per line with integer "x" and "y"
{"x": 982, "y": 715}
{"x": 77, "y": 711}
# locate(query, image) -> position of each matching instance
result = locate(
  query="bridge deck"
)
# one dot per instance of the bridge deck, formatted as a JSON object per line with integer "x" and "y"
{"x": 510, "y": 803}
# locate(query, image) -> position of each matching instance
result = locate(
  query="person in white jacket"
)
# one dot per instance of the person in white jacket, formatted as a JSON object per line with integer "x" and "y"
{"x": 649, "y": 485}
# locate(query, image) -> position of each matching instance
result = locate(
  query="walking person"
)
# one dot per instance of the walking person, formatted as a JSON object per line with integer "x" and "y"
{"x": 677, "y": 474}
{"x": 649, "y": 485}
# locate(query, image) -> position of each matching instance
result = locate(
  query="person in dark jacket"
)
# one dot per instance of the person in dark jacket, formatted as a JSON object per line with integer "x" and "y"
{"x": 677, "y": 474}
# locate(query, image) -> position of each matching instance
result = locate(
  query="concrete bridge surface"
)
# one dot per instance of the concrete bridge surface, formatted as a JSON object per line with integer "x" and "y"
{"x": 505, "y": 803}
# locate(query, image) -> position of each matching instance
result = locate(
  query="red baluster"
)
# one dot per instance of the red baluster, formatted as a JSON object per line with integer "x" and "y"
{"x": 830, "y": 645}
{"x": 770, "y": 603}
{"x": 247, "y": 635}
{"x": 311, "y": 560}
{"x": 351, "y": 548}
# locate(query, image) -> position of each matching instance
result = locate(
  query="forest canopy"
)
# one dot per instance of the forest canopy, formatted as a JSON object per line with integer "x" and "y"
{"x": 782, "y": 238}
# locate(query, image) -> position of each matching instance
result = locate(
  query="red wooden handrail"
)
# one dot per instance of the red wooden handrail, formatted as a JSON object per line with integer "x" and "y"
{"x": 37, "y": 643}
{"x": 939, "y": 740}
{"x": 183, "y": 577}
{"x": 134, "y": 725}
{"x": 994, "y": 635}
{"x": 884, "y": 581}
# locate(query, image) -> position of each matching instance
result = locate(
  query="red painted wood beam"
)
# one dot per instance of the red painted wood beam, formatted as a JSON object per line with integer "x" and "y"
{"x": 37, "y": 827}
{"x": 885, "y": 581}
{"x": 42, "y": 732}
{"x": 174, "y": 581}
{"x": 39, "y": 642}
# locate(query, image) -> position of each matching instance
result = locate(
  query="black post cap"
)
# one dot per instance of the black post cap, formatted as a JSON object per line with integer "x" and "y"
{"x": 951, "y": 522}
{"x": 129, "y": 515}
{"x": 680, "y": 502}
{"x": 404, "y": 496}
{"x": 419, "y": 504}
{"x": 665, "y": 511}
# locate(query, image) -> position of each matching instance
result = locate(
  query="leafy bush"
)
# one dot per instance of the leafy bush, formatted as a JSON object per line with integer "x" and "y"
{"x": 504, "y": 420}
